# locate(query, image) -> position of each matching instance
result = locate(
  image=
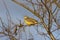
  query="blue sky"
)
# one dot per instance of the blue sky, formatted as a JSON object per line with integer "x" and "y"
{"x": 18, "y": 12}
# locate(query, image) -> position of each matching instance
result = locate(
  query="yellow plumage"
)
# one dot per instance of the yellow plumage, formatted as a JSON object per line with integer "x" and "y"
{"x": 30, "y": 21}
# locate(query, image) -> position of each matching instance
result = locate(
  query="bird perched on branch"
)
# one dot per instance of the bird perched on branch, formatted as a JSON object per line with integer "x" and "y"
{"x": 30, "y": 21}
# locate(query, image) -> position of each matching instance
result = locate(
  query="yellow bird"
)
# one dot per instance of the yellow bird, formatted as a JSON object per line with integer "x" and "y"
{"x": 30, "y": 21}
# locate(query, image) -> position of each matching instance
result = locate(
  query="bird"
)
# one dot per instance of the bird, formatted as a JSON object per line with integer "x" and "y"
{"x": 30, "y": 21}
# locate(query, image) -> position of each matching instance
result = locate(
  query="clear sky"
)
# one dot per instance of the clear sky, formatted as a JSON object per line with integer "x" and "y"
{"x": 18, "y": 12}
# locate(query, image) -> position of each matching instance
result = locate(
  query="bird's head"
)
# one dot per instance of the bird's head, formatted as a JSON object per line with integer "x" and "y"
{"x": 25, "y": 17}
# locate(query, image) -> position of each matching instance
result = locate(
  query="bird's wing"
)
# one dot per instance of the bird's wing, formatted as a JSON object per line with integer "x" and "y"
{"x": 34, "y": 21}
{"x": 29, "y": 22}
